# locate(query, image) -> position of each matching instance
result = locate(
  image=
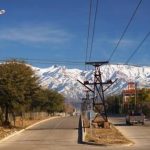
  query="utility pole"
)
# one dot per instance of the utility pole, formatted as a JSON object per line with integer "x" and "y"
{"x": 135, "y": 102}
{"x": 98, "y": 86}
{"x": 86, "y": 101}
{"x": 98, "y": 89}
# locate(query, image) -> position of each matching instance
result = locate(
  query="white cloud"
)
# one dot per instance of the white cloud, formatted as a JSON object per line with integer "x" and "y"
{"x": 115, "y": 41}
{"x": 35, "y": 34}
{"x": 109, "y": 40}
{"x": 126, "y": 42}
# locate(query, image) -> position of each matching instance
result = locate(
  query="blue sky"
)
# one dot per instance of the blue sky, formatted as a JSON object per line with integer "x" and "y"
{"x": 56, "y": 30}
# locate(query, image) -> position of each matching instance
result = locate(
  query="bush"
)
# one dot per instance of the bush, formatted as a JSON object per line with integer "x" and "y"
{"x": 146, "y": 109}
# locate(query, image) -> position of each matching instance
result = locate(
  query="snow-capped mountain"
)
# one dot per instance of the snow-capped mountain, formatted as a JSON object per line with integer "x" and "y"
{"x": 65, "y": 80}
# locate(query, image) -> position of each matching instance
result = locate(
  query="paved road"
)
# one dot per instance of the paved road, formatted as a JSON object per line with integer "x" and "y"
{"x": 139, "y": 134}
{"x": 50, "y": 135}
{"x": 56, "y": 134}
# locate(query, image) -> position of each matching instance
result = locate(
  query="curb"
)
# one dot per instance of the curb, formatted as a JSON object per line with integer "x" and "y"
{"x": 22, "y": 130}
{"x": 83, "y": 131}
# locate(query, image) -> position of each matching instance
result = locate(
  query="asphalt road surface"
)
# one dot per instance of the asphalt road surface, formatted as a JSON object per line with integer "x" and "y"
{"x": 139, "y": 134}
{"x": 56, "y": 134}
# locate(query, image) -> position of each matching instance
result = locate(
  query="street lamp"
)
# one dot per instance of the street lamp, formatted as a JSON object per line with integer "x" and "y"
{"x": 2, "y": 11}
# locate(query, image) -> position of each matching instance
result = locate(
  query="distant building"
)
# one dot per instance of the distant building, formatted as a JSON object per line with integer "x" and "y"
{"x": 128, "y": 93}
{"x": 132, "y": 97}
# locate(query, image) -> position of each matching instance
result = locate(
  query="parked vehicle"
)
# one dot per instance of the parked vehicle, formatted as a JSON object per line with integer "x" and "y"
{"x": 135, "y": 118}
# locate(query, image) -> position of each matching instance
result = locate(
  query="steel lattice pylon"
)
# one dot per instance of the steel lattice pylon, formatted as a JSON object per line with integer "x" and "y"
{"x": 97, "y": 87}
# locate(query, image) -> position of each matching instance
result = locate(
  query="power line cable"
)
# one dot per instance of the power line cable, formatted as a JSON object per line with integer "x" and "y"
{"x": 125, "y": 30}
{"x": 44, "y": 61}
{"x": 138, "y": 47}
{"x": 48, "y": 60}
{"x": 88, "y": 34}
{"x": 51, "y": 63}
{"x": 67, "y": 62}
{"x": 93, "y": 33}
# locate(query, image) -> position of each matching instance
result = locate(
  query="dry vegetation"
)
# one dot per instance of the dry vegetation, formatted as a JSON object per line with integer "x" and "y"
{"x": 105, "y": 136}
{"x": 6, "y": 131}
{"x": 97, "y": 134}
{"x": 26, "y": 122}
{"x": 20, "y": 124}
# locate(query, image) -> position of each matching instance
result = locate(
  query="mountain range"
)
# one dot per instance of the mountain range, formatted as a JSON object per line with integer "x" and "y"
{"x": 64, "y": 80}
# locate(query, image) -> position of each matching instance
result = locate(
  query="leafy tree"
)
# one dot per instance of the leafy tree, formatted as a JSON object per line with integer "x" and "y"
{"x": 39, "y": 100}
{"x": 143, "y": 96}
{"x": 143, "y": 101}
{"x": 18, "y": 84}
{"x": 54, "y": 102}
{"x": 47, "y": 100}
{"x": 114, "y": 103}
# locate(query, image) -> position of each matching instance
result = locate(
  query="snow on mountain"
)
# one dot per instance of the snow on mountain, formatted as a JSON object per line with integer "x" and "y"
{"x": 65, "y": 80}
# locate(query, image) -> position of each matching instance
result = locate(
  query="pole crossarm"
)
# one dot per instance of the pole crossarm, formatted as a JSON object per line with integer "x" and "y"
{"x": 110, "y": 85}
{"x": 97, "y": 63}
{"x": 86, "y": 86}
{"x": 102, "y": 83}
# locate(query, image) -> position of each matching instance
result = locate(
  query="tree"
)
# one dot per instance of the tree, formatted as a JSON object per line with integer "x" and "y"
{"x": 18, "y": 84}
{"x": 143, "y": 96}
{"x": 47, "y": 100}
{"x": 54, "y": 101}
{"x": 38, "y": 100}
{"x": 114, "y": 103}
{"x": 143, "y": 101}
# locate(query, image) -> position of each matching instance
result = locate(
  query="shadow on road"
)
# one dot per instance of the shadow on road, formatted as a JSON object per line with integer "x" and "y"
{"x": 80, "y": 136}
{"x": 80, "y": 141}
{"x": 120, "y": 124}
{"x": 52, "y": 128}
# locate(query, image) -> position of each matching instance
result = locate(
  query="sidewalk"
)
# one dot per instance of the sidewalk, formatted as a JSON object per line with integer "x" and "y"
{"x": 138, "y": 134}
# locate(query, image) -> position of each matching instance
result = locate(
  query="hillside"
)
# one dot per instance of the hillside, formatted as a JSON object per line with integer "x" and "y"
{"x": 65, "y": 80}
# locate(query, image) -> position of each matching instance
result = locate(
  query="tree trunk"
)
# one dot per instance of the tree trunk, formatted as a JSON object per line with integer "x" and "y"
{"x": 6, "y": 122}
{"x": 6, "y": 113}
{"x": 14, "y": 118}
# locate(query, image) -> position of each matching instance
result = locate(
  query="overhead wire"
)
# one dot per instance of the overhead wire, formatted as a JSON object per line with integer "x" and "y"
{"x": 44, "y": 61}
{"x": 88, "y": 32}
{"x": 93, "y": 31}
{"x": 138, "y": 47}
{"x": 125, "y": 30}
{"x": 122, "y": 35}
{"x": 59, "y": 61}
